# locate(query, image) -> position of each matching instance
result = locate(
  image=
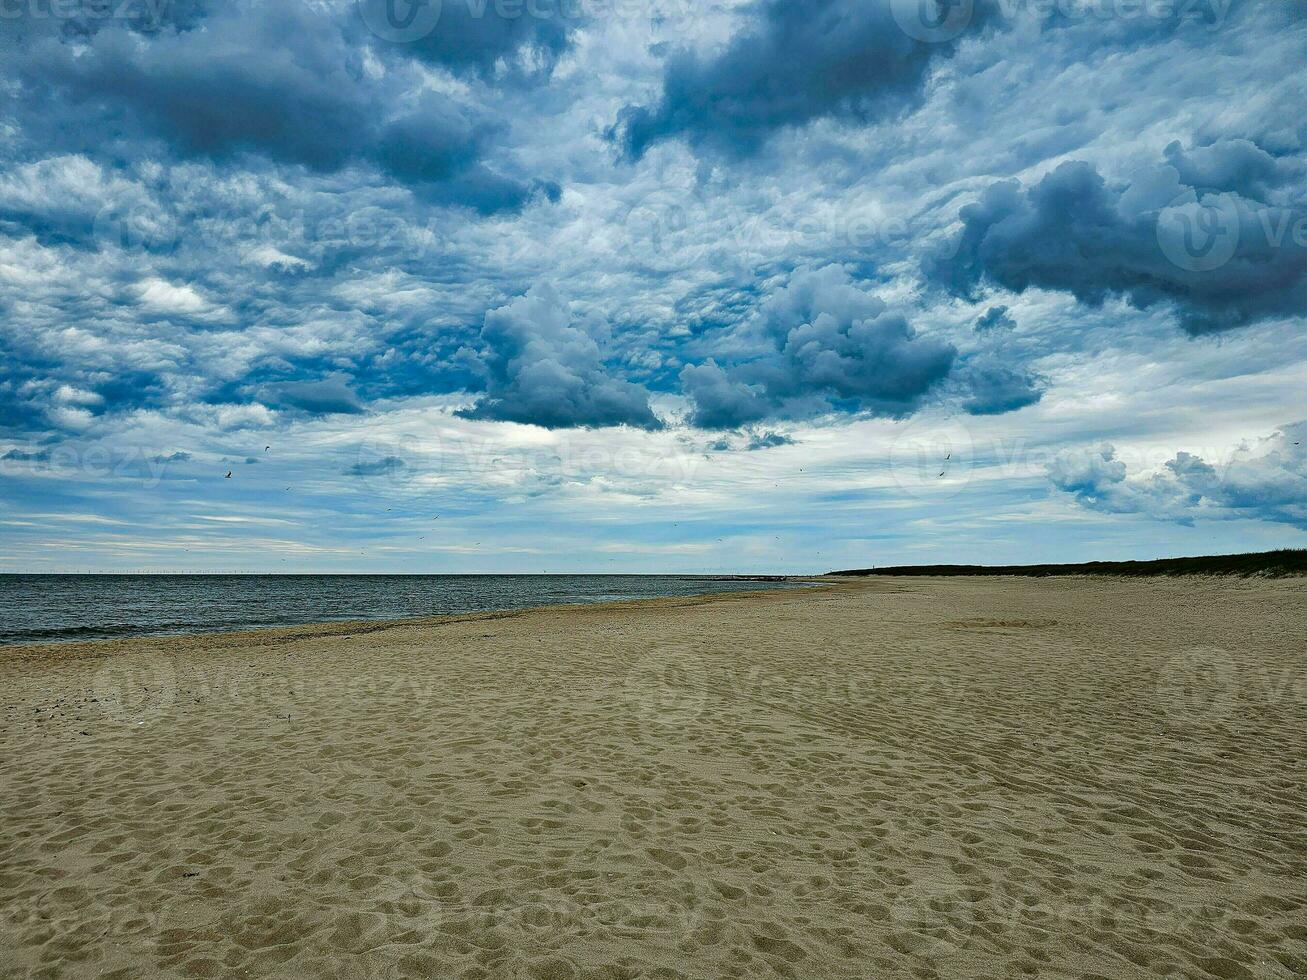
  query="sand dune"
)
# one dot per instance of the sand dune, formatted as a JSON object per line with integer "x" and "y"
{"x": 930, "y": 777}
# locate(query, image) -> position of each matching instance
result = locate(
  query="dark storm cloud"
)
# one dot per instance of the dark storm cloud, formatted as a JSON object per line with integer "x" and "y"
{"x": 544, "y": 367}
{"x": 1267, "y": 482}
{"x": 283, "y": 82}
{"x": 863, "y": 60}
{"x": 719, "y": 401}
{"x": 992, "y": 387}
{"x": 832, "y": 344}
{"x": 475, "y": 34}
{"x": 330, "y": 396}
{"x": 795, "y": 62}
{"x": 1217, "y": 233}
{"x": 995, "y": 317}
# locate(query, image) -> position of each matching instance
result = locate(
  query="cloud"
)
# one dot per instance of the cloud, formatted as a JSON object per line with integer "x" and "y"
{"x": 21, "y": 456}
{"x": 992, "y": 387}
{"x": 996, "y": 317}
{"x": 544, "y": 367}
{"x": 793, "y": 63}
{"x": 719, "y": 401}
{"x": 329, "y": 396}
{"x": 478, "y": 35}
{"x": 380, "y": 467}
{"x": 830, "y": 343}
{"x": 1185, "y": 234}
{"x": 1267, "y": 482}
{"x": 289, "y": 83}
{"x": 767, "y": 440}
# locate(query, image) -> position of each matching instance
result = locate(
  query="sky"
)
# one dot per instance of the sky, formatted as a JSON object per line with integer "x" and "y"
{"x": 649, "y": 285}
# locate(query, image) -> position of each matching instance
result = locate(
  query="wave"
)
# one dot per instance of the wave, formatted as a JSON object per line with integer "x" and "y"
{"x": 99, "y": 631}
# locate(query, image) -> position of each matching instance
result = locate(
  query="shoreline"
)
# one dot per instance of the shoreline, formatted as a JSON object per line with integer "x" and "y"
{"x": 9, "y": 647}
{"x": 359, "y": 627}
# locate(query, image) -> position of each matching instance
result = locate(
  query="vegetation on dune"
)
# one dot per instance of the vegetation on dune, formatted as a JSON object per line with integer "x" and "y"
{"x": 1272, "y": 564}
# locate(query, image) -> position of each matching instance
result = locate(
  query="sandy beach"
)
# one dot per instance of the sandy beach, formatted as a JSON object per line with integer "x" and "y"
{"x": 1004, "y": 777}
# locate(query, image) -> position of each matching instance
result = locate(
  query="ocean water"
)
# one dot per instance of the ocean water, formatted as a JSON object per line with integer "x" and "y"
{"x": 49, "y": 608}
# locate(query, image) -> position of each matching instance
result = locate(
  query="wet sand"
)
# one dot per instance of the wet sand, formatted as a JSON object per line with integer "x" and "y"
{"x": 1071, "y": 777}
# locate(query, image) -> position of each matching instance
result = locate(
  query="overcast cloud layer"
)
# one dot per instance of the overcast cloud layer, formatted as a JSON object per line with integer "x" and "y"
{"x": 649, "y": 286}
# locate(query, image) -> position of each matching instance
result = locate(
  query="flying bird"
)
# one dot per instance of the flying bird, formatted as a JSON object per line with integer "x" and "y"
{"x": 228, "y": 476}
{"x": 941, "y": 472}
{"x": 266, "y": 448}
{"x": 947, "y": 457}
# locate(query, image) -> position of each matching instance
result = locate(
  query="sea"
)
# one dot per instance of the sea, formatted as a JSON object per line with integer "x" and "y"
{"x": 54, "y": 608}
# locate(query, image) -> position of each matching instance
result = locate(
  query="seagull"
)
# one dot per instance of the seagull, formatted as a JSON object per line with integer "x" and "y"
{"x": 228, "y": 476}
{"x": 947, "y": 457}
{"x": 941, "y": 472}
{"x": 266, "y": 448}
